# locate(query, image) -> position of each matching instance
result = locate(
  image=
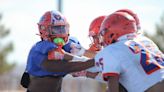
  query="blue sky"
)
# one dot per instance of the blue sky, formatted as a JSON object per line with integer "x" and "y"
{"x": 21, "y": 17}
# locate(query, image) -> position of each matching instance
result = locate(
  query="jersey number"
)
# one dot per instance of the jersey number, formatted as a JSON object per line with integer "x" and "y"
{"x": 100, "y": 63}
{"x": 150, "y": 59}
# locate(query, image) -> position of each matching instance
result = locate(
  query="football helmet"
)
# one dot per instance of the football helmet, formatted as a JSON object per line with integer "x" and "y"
{"x": 115, "y": 25}
{"x": 95, "y": 26}
{"x": 93, "y": 33}
{"x": 132, "y": 14}
{"x": 53, "y": 25}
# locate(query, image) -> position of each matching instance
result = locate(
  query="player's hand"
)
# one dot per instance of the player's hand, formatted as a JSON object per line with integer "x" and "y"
{"x": 95, "y": 47}
{"x": 58, "y": 55}
{"x": 55, "y": 55}
{"x": 95, "y": 68}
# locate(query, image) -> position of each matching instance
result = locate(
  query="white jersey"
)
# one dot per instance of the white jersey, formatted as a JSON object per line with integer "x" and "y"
{"x": 137, "y": 61}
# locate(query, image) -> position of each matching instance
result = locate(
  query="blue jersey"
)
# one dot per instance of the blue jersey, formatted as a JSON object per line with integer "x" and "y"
{"x": 36, "y": 56}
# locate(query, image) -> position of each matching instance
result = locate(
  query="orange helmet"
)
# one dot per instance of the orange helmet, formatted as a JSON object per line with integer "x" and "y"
{"x": 116, "y": 25}
{"x": 53, "y": 25}
{"x": 93, "y": 33}
{"x": 132, "y": 14}
{"x": 95, "y": 26}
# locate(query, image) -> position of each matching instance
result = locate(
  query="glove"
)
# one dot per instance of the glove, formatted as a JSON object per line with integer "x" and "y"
{"x": 56, "y": 54}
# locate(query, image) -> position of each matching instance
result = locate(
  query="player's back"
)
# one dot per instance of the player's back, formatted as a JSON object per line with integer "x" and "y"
{"x": 135, "y": 59}
{"x": 145, "y": 55}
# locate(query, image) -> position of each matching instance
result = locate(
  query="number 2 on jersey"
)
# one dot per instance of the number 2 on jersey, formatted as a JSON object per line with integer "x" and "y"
{"x": 150, "y": 60}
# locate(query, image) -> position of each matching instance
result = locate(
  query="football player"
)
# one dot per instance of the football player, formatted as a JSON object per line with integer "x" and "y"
{"x": 47, "y": 62}
{"x": 128, "y": 57}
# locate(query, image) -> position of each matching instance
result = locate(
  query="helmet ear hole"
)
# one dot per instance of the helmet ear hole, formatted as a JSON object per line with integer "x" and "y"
{"x": 113, "y": 41}
{"x": 111, "y": 35}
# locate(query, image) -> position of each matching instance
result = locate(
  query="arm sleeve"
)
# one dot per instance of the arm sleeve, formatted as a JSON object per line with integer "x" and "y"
{"x": 111, "y": 66}
{"x": 68, "y": 67}
{"x": 45, "y": 46}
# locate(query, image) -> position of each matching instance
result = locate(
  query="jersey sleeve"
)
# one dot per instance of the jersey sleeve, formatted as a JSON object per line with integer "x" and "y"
{"x": 72, "y": 40}
{"x": 67, "y": 47}
{"x": 110, "y": 63}
{"x": 45, "y": 46}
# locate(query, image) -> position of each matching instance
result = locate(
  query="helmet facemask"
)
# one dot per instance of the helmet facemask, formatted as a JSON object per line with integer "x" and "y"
{"x": 93, "y": 33}
{"x": 60, "y": 31}
{"x": 107, "y": 38}
{"x": 95, "y": 41}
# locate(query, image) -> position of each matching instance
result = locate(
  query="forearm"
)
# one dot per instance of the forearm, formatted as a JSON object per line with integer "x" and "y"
{"x": 68, "y": 67}
{"x": 82, "y": 52}
{"x": 113, "y": 84}
{"x": 72, "y": 58}
{"x": 68, "y": 56}
{"x": 78, "y": 66}
{"x": 89, "y": 54}
{"x": 86, "y": 53}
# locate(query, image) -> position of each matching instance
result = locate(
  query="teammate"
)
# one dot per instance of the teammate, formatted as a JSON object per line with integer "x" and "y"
{"x": 129, "y": 57}
{"x": 94, "y": 30}
{"x": 93, "y": 34}
{"x": 96, "y": 46}
{"x": 47, "y": 62}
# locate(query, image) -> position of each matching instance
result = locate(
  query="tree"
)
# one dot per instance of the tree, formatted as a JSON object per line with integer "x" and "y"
{"x": 158, "y": 37}
{"x": 4, "y": 50}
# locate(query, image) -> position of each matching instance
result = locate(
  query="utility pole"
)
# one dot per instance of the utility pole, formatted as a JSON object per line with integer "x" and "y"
{"x": 60, "y": 6}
